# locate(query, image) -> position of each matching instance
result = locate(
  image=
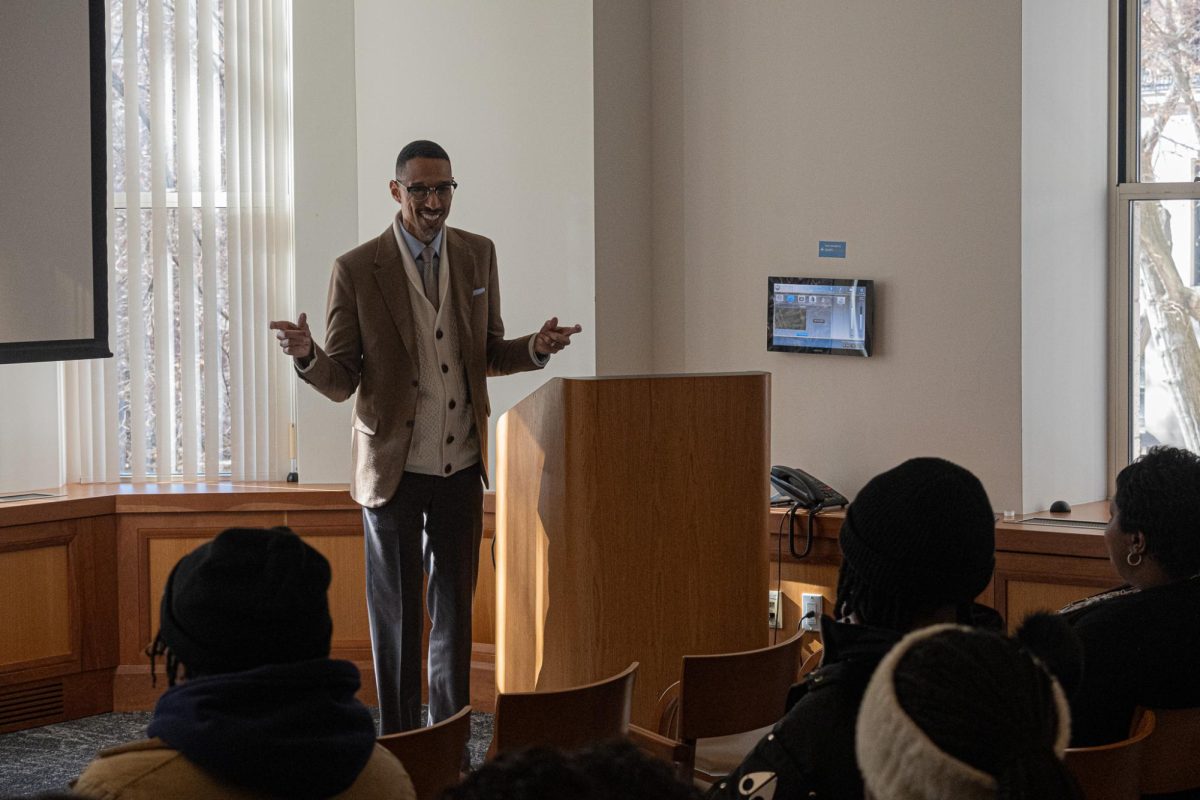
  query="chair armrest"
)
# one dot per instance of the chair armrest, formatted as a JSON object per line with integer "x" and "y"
{"x": 666, "y": 711}
{"x": 660, "y": 747}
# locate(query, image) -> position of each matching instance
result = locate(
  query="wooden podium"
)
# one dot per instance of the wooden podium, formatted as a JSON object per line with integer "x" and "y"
{"x": 629, "y": 527}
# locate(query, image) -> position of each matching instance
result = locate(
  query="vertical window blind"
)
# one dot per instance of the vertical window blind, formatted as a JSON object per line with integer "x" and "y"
{"x": 200, "y": 237}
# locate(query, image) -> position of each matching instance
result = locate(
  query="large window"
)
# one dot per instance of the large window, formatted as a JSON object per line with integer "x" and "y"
{"x": 200, "y": 235}
{"x": 1156, "y": 299}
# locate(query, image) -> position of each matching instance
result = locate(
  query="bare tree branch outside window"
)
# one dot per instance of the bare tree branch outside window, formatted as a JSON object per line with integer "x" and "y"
{"x": 1166, "y": 233}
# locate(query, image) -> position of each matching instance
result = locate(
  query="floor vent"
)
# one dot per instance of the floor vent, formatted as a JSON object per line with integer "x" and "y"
{"x": 24, "y": 703}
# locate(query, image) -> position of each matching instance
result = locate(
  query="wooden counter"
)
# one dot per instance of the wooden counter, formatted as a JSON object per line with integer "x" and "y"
{"x": 81, "y": 576}
{"x": 1039, "y": 565}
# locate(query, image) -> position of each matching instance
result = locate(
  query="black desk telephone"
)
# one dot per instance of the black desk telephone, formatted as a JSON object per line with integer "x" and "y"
{"x": 806, "y": 492}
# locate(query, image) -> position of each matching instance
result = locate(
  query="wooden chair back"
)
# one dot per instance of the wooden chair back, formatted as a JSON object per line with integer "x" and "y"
{"x": 721, "y": 695}
{"x": 810, "y": 664}
{"x": 432, "y": 756}
{"x": 1110, "y": 771}
{"x": 1171, "y": 756}
{"x": 565, "y": 718}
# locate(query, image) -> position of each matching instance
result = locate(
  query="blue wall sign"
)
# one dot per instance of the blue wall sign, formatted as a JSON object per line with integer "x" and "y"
{"x": 831, "y": 250}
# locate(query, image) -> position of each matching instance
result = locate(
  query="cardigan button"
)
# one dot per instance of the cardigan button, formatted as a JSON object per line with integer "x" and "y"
{"x": 439, "y": 333}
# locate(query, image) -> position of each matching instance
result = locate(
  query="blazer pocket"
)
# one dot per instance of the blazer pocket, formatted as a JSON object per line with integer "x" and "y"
{"x": 364, "y": 423}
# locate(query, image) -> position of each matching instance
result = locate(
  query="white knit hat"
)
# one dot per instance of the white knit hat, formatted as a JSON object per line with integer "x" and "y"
{"x": 899, "y": 761}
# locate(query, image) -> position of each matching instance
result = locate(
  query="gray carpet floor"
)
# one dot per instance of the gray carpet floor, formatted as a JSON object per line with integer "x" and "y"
{"x": 47, "y": 759}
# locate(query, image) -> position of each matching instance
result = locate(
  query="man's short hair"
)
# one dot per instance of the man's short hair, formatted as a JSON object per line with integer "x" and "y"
{"x": 421, "y": 148}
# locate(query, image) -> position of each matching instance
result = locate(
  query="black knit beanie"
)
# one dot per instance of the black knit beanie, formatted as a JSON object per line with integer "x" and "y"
{"x": 247, "y": 598}
{"x": 923, "y": 531}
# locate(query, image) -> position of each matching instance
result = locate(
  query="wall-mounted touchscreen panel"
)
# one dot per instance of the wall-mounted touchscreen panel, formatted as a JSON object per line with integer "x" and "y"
{"x": 820, "y": 315}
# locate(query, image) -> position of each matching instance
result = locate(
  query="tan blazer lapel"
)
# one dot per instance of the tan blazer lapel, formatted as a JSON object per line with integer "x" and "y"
{"x": 462, "y": 266}
{"x": 393, "y": 282}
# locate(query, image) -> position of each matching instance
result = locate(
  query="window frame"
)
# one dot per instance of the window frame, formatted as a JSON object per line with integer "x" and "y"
{"x": 1127, "y": 188}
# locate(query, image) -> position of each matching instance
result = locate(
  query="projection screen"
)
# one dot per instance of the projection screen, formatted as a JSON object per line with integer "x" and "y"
{"x": 53, "y": 181}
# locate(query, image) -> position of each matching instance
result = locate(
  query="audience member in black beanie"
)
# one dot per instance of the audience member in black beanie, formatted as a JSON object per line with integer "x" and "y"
{"x": 918, "y": 546}
{"x": 263, "y": 711}
{"x": 958, "y": 713}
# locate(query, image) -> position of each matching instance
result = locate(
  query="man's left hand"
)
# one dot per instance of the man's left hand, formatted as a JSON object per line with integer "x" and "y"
{"x": 553, "y": 337}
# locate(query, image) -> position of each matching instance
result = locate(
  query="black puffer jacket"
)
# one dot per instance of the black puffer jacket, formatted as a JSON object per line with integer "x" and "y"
{"x": 810, "y": 752}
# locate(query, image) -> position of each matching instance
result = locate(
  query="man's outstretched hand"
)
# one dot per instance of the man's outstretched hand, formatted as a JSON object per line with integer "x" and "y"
{"x": 552, "y": 338}
{"x": 295, "y": 339}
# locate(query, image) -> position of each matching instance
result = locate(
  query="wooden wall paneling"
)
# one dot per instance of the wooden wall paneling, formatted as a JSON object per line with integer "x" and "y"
{"x": 95, "y": 543}
{"x": 338, "y": 535}
{"x": 87, "y": 693}
{"x": 1028, "y": 582}
{"x": 38, "y": 593}
{"x": 96, "y": 580}
{"x": 988, "y": 596}
{"x": 58, "y": 632}
{"x": 1025, "y": 597}
{"x": 805, "y": 577}
{"x": 347, "y": 595}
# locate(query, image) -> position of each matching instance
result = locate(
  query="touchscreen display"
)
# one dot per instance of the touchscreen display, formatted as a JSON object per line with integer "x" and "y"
{"x": 820, "y": 315}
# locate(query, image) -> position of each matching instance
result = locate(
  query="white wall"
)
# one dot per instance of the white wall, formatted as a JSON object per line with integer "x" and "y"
{"x": 624, "y": 199}
{"x": 30, "y": 436}
{"x": 1064, "y": 144}
{"x": 897, "y": 127}
{"x": 506, "y": 88}
{"x": 326, "y": 203}
{"x": 892, "y": 126}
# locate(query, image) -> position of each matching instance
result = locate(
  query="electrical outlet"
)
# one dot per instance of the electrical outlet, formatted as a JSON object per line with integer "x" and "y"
{"x": 774, "y": 617}
{"x": 812, "y": 606}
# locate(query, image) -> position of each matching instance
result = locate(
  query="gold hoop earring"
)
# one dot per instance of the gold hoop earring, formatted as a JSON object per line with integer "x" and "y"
{"x": 1130, "y": 561}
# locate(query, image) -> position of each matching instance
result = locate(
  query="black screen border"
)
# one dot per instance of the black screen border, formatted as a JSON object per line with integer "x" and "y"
{"x": 869, "y": 323}
{"x": 97, "y": 346}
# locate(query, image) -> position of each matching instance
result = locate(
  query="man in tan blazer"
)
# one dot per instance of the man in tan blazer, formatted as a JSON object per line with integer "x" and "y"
{"x": 414, "y": 327}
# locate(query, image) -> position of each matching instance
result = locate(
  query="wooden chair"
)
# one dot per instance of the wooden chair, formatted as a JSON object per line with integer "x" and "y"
{"x": 433, "y": 756}
{"x": 1110, "y": 771}
{"x": 812, "y": 652}
{"x": 729, "y": 698}
{"x": 1171, "y": 756}
{"x": 565, "y": 718}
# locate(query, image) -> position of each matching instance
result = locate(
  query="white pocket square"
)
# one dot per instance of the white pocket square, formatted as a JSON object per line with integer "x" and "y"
{"x": 477, "y": 292}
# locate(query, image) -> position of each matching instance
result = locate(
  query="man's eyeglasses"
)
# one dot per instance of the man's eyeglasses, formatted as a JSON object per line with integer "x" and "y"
{"x": 420, "y": 194}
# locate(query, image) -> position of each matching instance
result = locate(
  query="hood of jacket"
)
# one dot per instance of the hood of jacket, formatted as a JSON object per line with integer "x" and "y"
{"x": 291, "y": 730}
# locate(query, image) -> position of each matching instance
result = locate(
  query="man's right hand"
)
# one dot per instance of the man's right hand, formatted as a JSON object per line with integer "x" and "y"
{"x": 295, "y": 339}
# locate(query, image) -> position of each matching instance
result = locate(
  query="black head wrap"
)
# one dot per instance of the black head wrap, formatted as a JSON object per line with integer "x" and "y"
{"x": 247, "y": 598}
{"x": 917, "y": 536}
